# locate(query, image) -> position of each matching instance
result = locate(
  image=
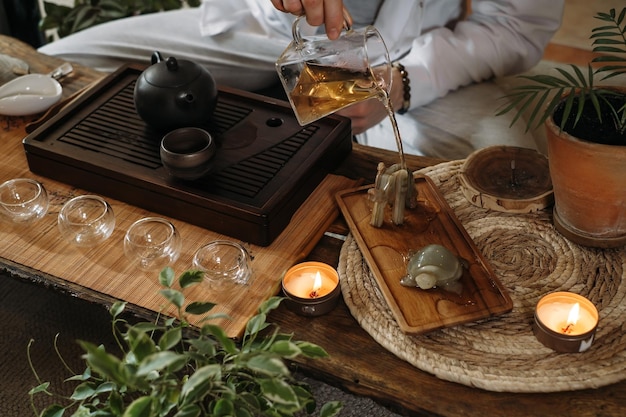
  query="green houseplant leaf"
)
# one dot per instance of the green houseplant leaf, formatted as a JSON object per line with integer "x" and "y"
{"x": 87, "y": 13}
{"x": 139, "y": 408}
{"x": 169, "y": 368}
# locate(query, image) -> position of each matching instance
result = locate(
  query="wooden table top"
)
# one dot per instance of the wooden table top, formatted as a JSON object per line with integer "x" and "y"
{"x": 357, "y": 363}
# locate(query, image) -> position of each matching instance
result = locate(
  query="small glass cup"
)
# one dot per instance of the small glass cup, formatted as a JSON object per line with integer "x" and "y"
{"x": 23, "y": 200}
{"x": 152, "y": 243}
{"x": 223, "y": 262}
{"x": 86, "y": 220}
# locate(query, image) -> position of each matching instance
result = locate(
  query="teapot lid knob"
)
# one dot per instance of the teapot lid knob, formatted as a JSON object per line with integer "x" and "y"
{"x": 172, "y": 64}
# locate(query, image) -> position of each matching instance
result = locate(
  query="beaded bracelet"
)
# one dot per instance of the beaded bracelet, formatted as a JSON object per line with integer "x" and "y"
{"x": 406, "y": 84}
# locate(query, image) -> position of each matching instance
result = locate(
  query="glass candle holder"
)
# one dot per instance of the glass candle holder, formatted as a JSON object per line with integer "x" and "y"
{"x": 223, "y": 262}
{"x": 23, "y": 200}
{"x": 565, "y": 322}
{"x": 86, "y": 220}
{"x": 311, "y": 288}
{"x": 152, "y": 243}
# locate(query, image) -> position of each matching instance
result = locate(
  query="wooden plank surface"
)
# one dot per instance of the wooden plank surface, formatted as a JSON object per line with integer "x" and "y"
{"x": 360, "y": 365}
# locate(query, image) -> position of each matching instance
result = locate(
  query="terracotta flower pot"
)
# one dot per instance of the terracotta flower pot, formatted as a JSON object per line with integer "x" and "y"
{"x": 589, "y": 181}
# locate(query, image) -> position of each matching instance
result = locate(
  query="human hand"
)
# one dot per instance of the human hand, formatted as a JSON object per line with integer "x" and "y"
{"x": 364, "y": 114}
{"x": 331, "y": 13}
{"x": 371, "y": 112}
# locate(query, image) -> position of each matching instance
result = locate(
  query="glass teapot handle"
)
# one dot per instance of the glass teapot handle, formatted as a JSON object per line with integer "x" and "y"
{"x": 295, "y": 29}
{"x": 295, "y": 32}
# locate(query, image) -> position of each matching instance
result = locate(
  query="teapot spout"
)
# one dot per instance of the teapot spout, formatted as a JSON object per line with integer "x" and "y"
{"x": 185, "y": 98}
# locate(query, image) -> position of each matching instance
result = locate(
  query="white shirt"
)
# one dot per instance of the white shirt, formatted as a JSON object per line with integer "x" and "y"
{"x": 499, "y": 37}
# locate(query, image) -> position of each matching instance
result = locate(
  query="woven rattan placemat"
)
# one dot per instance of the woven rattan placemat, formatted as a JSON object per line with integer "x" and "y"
{"x": 501, "y": 354}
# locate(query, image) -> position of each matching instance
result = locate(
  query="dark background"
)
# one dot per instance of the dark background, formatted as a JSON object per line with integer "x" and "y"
{"x": 20, "y": 19}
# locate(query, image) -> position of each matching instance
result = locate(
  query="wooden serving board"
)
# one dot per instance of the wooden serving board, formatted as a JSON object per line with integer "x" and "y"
{"x": 387, "y": 249}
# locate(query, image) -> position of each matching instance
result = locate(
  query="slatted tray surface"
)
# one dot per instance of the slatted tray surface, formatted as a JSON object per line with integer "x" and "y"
{"x": 265, "y": 167}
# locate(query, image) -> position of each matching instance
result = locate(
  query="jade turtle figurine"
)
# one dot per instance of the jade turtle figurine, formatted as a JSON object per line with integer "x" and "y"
{"x": 434, "y": 266}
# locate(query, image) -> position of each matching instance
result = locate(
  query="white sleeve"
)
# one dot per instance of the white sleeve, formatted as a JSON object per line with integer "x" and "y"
{"x": 500, "y": 37}
{"x": 253, "y": 16}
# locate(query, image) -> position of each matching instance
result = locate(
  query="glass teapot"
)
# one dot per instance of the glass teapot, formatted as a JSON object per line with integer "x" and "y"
{"x": 322, "y": 76}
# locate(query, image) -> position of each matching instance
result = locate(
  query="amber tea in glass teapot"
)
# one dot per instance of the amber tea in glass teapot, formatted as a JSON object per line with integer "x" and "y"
{"x": 322, "y": 76}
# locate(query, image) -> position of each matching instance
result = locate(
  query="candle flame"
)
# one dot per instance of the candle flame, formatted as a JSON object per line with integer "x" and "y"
{"x": 572, "y": 318}
{"x": 573, "y": 315}
{"x": 317, "y": 283}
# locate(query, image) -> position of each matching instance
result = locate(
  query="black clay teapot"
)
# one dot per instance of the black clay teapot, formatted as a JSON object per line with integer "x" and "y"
{"x": 175, "y": 93}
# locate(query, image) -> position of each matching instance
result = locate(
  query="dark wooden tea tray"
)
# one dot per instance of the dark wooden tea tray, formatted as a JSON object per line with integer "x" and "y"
{"x": 265, "y": 167}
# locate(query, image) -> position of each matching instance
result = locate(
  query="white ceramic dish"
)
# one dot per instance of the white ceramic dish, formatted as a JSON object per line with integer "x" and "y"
{"x": 29, "y": 94}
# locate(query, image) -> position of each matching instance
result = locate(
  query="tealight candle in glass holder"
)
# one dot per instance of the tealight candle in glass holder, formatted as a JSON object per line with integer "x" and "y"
{"x": 152, "y": 243}
{"x": 311, "y": 288}
{"x": 23, "y": 200}
{"x": 565, "y": 322}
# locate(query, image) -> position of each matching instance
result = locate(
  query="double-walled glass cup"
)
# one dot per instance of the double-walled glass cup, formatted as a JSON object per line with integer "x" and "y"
{"x": 321, "y": 76}
{"x": 152, "y": 243}
{"x": 86, "y": 220}
{"x": 23, "y": 200}
{"x": 223, "y": 262}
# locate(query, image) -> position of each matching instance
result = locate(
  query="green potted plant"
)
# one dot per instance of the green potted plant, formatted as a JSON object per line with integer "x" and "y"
{"x": 167, "y": 368}
{"x": 586, "y": 132}
{"x": 86, "y": 13}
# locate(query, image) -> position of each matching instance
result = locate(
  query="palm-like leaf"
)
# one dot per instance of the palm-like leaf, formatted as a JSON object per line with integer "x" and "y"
{"x": 575, "y": 88}
{"x": 610, "y": 41}
{"x": 546, "y": 92}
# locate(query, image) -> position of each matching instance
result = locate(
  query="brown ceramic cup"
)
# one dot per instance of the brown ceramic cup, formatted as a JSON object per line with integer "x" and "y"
{"x": 187, "y": 152}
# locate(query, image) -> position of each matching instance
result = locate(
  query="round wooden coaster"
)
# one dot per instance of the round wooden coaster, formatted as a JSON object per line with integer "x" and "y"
{"x": 508, "y": 179}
